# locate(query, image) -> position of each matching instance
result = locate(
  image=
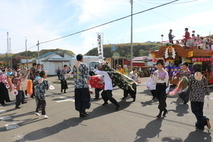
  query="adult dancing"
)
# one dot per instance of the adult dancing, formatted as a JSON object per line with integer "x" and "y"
{"x": 107, "y": 93}
{"x": 161, "y": 79}
{"x": 4, "y": 80}
{"x": 198, "y": 86}
{"x": 81, "y": 82}
{"x": 183, "y": 72}
{"x": 122, "y": 81}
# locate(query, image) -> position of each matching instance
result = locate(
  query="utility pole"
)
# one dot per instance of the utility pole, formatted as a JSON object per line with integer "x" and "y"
{"x": 26, "y": 52}
{"x": 38, "y": 52}
{"x": 131, "y": 48}
{"x": 11, "y": 59}
{"x": 7, "y": 46}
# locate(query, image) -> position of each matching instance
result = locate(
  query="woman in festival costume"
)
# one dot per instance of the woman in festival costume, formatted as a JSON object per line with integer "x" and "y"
{"x": 184, "y": 72}
{"x": 41, "y": 85}
{"x": 122, "y": 81}
{"x": 4, "y": 81}
{"x": 17, "y": 81}
{"x": 198, "y": 86}
{"x": 161, "y": 79}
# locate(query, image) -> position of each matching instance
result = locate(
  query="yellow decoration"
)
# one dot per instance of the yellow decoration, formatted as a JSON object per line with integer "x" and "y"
{"x": 190, "y": 54}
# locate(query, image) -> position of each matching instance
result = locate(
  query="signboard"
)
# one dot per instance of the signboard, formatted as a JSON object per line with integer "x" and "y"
{"x": 113, "y": 48}
{"x": 100, "y": 47}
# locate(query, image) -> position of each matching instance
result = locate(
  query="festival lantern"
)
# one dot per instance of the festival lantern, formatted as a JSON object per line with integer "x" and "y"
{"x": 195, "y": 59}
{"x": 198, "y": 59}
{"x": 207, "y": 59}
{"x": 204, "y": 59}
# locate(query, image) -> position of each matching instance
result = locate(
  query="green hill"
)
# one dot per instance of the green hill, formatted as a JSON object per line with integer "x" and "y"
{"x": 22, "y": 55}
{"x": 139, "y": 49}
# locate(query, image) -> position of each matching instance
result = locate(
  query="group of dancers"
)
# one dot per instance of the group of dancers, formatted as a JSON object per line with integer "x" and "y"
{"x": 158, "y": 82}
{"x": 14, "y": 82}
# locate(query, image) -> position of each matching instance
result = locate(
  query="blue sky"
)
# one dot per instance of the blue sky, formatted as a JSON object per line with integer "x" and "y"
{"x": 48, "y": 19}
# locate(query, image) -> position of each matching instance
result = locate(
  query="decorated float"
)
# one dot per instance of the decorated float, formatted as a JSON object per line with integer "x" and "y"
{"x": 174, "y": 55}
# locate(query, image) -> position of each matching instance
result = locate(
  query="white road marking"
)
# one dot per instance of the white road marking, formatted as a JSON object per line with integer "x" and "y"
{"x": 11, "y": 126}
{"x": 66, "y": 99}
{"x": 4, "y": 118}
{"x": 2, "y": 111}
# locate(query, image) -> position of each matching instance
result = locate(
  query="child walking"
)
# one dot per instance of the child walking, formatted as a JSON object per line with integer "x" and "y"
{"x": 41, "y": 85}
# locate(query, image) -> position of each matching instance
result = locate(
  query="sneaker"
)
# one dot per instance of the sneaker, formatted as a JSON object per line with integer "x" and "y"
{"x": 45, "y": 116}
{"x": 37, "y": 114}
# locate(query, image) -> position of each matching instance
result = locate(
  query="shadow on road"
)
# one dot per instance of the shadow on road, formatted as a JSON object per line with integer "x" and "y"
{"x": 151, "y": 130}
{"x": 181, "y": 108}
{"x": 48, "y": 131}
{"x": 72, "y": 122}
{"x": 198, "y": 136}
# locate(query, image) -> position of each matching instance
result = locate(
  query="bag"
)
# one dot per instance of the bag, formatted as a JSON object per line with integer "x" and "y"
{"x": 184, "y": 95}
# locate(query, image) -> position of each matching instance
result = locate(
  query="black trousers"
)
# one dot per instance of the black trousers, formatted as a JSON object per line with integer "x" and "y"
{"x": 153, "y": 93}
{"x": 64, "y": 84}
{"x": 97, "y": 91}
{"x": 41, "y": 104}
{"x": 4, "y": 95}
{"x": 161, "y": 95}
{"x": 197, "y": 109}
{"x": 107, "y": 95}
{"x": 20, "y": 97}
{"x": 82, "y": 99}
{"x": 132, "y": 93}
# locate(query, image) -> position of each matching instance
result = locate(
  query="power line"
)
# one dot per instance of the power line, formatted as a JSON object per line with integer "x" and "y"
{"x": 108, "y": 22}
{"x": 162, "y": 3}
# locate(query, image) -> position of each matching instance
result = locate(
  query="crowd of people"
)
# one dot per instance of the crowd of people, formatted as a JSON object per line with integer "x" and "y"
{"x": 158, "y": 83}
{"x": 192, "y": 40}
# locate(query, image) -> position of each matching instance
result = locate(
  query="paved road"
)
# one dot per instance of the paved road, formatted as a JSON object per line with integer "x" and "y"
{"x": 134, "y": 122}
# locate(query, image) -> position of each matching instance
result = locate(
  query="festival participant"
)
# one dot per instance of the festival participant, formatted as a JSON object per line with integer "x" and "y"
{"x": 4, "y": 80}
{"x": 151, "y": 85}
{"x": 122, "y": 81}
{"x": 198, "y": 89}
{"x": 198, "y": 86}
{"x": 41, "y": 85}
{"x": 32, "y": 76}
{"x": 107, "y": 93}
{"x": 161, "y": 79}
{"x": 134, "y": 76}
{"x": 82, "y": 83}
{"x": 63, "y": 77}
{"x": 17, "y": 81}
{"x": 171, "y": 36}
{"x": 58, "y": 71}
{"x": 119, "y": 69}
{"x": 183, "y": 72}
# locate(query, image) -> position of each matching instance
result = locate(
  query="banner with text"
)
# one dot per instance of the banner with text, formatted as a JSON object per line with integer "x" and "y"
{"x": 100, "y": 47}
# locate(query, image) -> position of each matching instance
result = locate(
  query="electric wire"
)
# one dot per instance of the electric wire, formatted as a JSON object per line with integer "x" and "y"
{"x": 109, "y": 22}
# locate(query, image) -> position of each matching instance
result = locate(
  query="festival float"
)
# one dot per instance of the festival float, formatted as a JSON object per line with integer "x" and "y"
{"x": 174, "y": 55}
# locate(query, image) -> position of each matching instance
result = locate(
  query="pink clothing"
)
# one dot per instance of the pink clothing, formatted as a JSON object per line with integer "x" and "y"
{"x": 3, "y": 78}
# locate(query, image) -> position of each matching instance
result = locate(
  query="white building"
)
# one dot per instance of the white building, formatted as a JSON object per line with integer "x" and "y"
{"x": 52, "y": 60}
